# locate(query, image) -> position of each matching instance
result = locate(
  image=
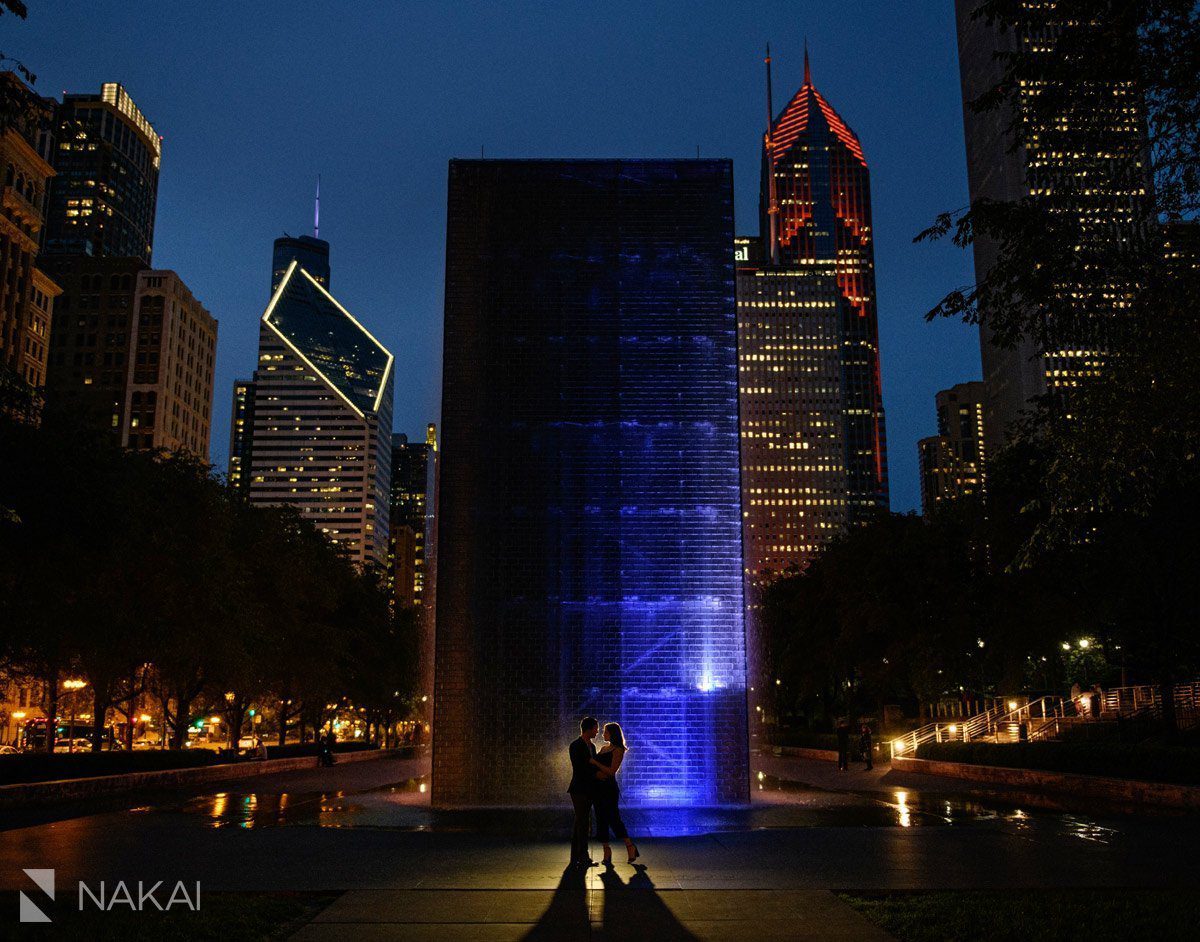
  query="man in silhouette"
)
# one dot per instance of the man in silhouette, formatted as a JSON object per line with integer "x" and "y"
{"x": 582, "y": 788}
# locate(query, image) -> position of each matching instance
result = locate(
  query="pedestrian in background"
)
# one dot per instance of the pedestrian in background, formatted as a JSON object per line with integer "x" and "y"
{"x": 867, "y": 745}
{"x": 843, "y": 743}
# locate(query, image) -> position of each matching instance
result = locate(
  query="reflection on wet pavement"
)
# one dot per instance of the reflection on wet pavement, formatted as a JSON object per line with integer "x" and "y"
{"x": 777, "y": 804}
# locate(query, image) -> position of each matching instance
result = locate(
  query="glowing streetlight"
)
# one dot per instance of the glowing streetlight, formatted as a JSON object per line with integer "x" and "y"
{"x": 1084, "y": 643}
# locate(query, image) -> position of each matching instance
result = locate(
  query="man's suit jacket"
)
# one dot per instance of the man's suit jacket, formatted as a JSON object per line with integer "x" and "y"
{"x": 583, "y": 773}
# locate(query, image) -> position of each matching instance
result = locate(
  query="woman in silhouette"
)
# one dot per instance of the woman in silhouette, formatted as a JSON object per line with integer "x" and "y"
{"x": 608, "y": 795}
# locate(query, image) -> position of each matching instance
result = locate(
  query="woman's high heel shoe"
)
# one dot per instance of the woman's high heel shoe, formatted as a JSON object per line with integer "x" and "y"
{"x": 607, "y": 856}
{"x": 634, "y": 853}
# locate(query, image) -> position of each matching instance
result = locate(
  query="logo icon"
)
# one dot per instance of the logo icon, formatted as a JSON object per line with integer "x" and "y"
{"x": 44, "y": 879}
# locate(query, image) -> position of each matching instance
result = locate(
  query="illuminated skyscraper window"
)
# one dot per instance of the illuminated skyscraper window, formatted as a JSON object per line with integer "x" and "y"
{"x": 1101, "y": 187}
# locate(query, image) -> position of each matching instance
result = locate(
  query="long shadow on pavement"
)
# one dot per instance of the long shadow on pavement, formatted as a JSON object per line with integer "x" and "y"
{"x": 634, "y": 910}
{"x": 566, "y": 919}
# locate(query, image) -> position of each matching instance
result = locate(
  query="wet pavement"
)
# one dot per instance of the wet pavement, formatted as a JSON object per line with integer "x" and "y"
{"x": 368, "y": 828}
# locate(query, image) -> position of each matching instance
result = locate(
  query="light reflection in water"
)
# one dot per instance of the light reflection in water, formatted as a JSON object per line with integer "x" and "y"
{"x": 905, "y": 814}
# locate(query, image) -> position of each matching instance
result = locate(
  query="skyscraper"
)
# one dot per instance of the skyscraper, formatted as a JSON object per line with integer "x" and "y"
{"x": 589, "y": 540}
{"x": 312, "y": 255}
{"x": 412, "y": 492}
{"x": 953, "y": 462}
{"x": 814, "y": 454}
{"x": 106, "y": 159}
{"x": 132, "y": 352}
{"x": 1105, "y": 186}
{"x": 321, "y": 418}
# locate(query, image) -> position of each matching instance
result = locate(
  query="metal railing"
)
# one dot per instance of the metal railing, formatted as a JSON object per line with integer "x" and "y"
{"x": 1048, "y": 717}
{"x": 963, "y": 730}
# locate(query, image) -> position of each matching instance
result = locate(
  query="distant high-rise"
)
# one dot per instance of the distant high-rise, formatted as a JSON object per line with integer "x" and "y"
{"x": 814, "y": 454}
{"x": 241, "y": 436}
{"x": 133, "y": 353}
{"x": 1105, "y": 185}
{"x": 310, "y": 252}
{"x": 26, "y": 293}
{"x": 312, "y": 255}
{"x": 412, "y": 490}
{"x": 589, "y": 510}
{"x": 320, "y": 418}
{"x": 953, "y": 462}
{"x": 106, "y": 159}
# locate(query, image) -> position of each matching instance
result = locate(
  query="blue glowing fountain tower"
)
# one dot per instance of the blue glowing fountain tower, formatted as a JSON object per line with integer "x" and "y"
{"x": 590, "y": 554}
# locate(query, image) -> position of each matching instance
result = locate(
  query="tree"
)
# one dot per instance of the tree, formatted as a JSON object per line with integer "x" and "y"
{"x": 1118, "y": 458}
{"x": 138, "y": 570}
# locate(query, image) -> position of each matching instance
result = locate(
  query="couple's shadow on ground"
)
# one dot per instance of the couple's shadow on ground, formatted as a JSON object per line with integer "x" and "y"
{"x": 631, "y": 910}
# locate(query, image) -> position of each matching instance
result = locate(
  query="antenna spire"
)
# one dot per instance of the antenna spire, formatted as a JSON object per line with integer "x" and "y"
{"x": 772, "y": 199}
{"x": 770, "y": 103}
{"x": 807, "y": 69}
{"x": 317, "y": 211}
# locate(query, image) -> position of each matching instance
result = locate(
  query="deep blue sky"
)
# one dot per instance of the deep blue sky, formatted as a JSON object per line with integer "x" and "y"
{"x": 255, "y": 99}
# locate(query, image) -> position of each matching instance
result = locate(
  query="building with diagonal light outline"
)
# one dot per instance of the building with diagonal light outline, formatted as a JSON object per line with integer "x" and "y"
{"x": 322, "y": 418}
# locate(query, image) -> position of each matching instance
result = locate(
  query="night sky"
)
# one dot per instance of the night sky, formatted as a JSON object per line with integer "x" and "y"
{"x": 256, "y": 99}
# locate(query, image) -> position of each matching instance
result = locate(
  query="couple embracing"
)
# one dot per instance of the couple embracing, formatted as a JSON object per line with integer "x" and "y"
{"x": 594, "y": 784}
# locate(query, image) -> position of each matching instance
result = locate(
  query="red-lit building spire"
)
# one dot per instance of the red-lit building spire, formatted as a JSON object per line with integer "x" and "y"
{"x": 816, "y": 210}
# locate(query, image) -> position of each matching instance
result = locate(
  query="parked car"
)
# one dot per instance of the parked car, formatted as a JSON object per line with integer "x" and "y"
{"x": 81, "y": 745}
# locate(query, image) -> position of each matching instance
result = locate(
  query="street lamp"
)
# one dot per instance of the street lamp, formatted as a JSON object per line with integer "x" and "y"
{"x": 73, "y": 685}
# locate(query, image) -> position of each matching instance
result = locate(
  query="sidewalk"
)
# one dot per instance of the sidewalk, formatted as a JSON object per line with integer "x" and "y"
{"x": 596, "y": 904}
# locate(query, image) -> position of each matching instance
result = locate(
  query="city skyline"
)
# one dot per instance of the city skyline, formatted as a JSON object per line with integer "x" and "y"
{"x": 382, "y": 155}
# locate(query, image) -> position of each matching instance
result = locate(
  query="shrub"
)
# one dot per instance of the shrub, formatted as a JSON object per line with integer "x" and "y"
{"x": 43, "y": 767}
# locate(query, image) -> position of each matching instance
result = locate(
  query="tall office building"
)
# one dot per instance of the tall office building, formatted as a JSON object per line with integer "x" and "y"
{"x": 132, "y": 352}
{"x": 106, "y": 159}
{"x": 312, "y": 255}
{"x": 954, "y": 461}
{"x": 321, "y": 418}
{"x": 412, "y": 493}
{"x": 26, "y": 293}
{"x": 589, "y": 540}
{"x": 814, "y": 454}
{"x": 1104, "y": 186}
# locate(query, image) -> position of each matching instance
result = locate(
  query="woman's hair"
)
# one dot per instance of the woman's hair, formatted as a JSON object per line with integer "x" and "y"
{"x": 615, "y": 736}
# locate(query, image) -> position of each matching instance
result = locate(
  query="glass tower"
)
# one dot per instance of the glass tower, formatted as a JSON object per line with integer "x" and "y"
{"x": 321, "y": 418}
{"x": 589, "y": 554}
